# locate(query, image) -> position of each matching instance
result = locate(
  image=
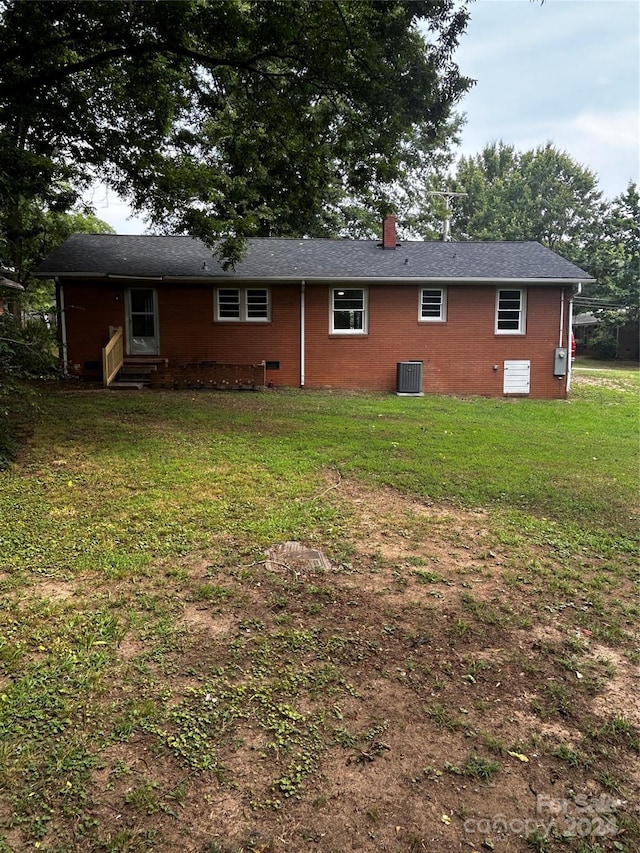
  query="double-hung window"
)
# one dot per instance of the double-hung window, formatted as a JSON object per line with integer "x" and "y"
{"x": 511, "y": 307}
{"x": 433, "y": 305}
{"x": 243, "y": 304}
{"x": 349, "y": 311}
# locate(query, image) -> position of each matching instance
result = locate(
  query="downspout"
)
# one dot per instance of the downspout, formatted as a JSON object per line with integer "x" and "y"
{"x": 302, "y": 332}
{"x": 63, "y": 327}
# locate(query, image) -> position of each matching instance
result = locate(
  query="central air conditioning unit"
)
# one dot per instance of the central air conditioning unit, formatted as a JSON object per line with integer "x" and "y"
{"x": 409, "y": 378}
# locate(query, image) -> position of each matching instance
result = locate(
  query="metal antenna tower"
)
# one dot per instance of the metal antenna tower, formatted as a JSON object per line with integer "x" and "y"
{"x": 446, "y": 225}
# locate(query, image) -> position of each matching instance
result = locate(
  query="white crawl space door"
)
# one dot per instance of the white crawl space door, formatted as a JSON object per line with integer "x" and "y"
{"x": 517, "y": 377}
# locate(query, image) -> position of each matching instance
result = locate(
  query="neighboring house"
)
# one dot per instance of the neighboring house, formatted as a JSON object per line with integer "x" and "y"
{"x": 6, "y": 286}
{"x": 584, "y": 325}
{"x": 628, "y": 342}
{"x": 626, "y": 336}
{"x": 443, "y": 317}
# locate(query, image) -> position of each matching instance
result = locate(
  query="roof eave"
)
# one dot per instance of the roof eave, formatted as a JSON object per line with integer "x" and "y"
{"x": 395, "y": 280}
{"x": 95, "y": 276}
{"x": 445, "y": 279}
{"x": 319, "y": 279}
{"x": 8, "y": 284}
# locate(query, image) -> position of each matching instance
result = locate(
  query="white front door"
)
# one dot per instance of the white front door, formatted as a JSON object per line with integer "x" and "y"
{"x": 142, "y": 321}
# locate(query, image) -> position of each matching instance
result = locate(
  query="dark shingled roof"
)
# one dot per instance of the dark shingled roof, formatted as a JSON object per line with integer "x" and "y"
{"x": 99, "y": 255}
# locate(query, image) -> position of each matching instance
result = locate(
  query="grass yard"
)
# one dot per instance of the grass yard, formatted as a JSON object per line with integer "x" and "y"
{"x": 449, "y": 659}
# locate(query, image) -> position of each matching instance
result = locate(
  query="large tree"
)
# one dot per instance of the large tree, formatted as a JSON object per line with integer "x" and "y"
{"x": 422, "y": 157}
{"x": 541, "y": 194}
{"x": 220, "y": 117}
{"x": 42, "y": 231}
{"x": 615, "y": 262}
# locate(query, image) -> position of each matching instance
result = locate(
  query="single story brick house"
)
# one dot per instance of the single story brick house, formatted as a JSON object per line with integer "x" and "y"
{"x": 487, "y": 318}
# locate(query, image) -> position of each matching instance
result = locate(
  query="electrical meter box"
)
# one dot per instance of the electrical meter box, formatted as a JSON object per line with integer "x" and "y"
{"x": 560, "y": 361}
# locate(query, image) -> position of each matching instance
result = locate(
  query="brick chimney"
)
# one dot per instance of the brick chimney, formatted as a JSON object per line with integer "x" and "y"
{"x": 389, "y": 232}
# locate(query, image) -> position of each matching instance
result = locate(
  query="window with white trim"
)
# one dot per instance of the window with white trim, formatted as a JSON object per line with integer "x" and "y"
{"x": 433, "y": 305}
{"x": 243, "y": 304}
{"x": 511, "y": 306}
{"x": 348, "y": 311}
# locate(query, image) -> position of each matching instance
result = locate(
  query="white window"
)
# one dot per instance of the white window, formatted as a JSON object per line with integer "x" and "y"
{"x": 349, "y": 311}
{"x": 228, "y": 304}
{"x": 433, "y": 305}
{"x": 240, "y": 304}
{"x": 511, "y": 306}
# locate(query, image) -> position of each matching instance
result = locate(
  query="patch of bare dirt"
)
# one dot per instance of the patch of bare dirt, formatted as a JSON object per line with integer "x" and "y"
{"x": 56, "y": 590}
{"x": 621, "y": 693}
{"x": 453, "y": 727}
{"x": 200, "y": 619}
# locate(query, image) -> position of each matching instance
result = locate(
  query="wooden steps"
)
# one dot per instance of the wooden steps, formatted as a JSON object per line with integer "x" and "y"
{"x": 135, "y": 373}
{"x": 126, "y": 385}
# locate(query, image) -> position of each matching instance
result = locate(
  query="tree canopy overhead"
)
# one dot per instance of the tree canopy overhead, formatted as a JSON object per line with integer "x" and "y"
{"x": 540, "y": 194}
{"x": 615, "y": 262}
{"x": 545, "y": 195}
{"x": 220, "y": 117}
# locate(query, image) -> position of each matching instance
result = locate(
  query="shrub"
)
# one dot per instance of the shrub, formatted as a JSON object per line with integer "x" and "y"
{"x": 603, "y": 344}
{"x": 27, "y": 351}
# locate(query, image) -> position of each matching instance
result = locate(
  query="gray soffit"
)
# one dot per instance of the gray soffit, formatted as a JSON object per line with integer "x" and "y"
{"x": 179, "y": 258}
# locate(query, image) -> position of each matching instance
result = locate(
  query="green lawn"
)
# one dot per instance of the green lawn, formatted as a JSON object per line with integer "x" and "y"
{"x": 124, "y": 512}
{"x": 113, "y": 480}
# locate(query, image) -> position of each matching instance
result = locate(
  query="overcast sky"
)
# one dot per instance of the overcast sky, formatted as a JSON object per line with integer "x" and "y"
{"x": 564, "y": 71}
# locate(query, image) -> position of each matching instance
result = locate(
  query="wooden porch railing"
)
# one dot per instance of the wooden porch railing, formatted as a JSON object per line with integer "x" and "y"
{"x": 112, "y": 355}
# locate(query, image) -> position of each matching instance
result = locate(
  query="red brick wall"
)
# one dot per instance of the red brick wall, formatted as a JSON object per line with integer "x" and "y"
{"x": 458, "y": 356}
{"x": 89, "y": 310}
{"x": 187, "y": 331}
